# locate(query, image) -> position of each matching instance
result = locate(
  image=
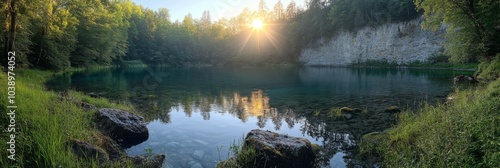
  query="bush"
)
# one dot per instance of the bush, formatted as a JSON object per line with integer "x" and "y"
{"x": 489, "y": 70}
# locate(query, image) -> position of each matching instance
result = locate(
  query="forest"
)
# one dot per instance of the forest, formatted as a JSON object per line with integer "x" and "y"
{"x": 53, "y": 38}
{"x": 58, "y": 34}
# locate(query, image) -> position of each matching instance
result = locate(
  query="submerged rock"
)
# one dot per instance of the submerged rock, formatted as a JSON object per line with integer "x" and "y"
{"x": 198, "y": 154}
{"x": 147, "y": 161}
{"x": 277, "y": 150}
{"x": 349, "y": 110}
{"x": 88, "y": 151}
{"x": 392, "y": 109}
{"x": 126, "y": 128}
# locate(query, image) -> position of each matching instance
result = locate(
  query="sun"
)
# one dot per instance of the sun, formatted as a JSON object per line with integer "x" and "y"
{"x": 257, "y": 24}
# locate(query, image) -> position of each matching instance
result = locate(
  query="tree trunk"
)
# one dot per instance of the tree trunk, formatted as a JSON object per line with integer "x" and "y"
{"x": 6, "y": 38}
{"x": 10, "y": 35}
{"x": 12, "y": 31}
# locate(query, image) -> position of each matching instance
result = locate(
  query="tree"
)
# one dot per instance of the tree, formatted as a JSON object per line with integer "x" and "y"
{"x": 291, "y": 10}
{"x": 100, "y": 33}
{"x": 263, "y": 10}
{"x": 473, "y": 31}
{"x": 54, "y": 37}
{"x": 279, "y": 12}
{"x": 15, "y": 32}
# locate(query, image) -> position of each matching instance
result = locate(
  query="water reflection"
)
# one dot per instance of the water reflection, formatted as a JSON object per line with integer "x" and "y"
{"x": 193, "y": 111}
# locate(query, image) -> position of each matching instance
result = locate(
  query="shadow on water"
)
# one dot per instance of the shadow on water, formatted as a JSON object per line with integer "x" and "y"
{"x": 194, "y": 111}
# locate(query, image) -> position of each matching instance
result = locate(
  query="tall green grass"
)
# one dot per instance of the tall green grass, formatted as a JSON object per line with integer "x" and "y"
{"x": 465, "y": 132}
{"x": 45, "y": 121}
{"x": 241, "y": 156}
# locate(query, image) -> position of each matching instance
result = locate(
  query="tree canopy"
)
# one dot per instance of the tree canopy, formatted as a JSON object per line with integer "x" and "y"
{"x": 473, "y": 26}
{"x": 58, "y": 34}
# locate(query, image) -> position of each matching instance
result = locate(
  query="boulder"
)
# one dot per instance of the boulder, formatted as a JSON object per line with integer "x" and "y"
{"x": 147, "y": 161}
{"x": 113, "y": 149}
{"x": 125, "y": 128}
{"x": 277, "y": 150}
{"x": 464, "y": 79}
{"x": 88, "y": 151}
{"x": 87, "y": 106}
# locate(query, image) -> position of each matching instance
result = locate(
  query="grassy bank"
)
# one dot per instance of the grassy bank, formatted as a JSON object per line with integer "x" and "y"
{"x": 464, "y": 132}
{"x": 45, "y": 121}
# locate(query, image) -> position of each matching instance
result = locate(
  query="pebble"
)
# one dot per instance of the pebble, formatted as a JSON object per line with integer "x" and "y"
{"x": 198, "y": 154}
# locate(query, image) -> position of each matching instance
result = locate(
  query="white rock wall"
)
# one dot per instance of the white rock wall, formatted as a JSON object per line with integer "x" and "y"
{"x": 402, "y": 43}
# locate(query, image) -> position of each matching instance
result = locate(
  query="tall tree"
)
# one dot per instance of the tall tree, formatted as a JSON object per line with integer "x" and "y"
{"x": 263, "y": 10}
{"x": 278, "y": 11}
{"x": 291, "y": 10}
{"x": 55, "y": 34}
{"x": 16, "y": 33}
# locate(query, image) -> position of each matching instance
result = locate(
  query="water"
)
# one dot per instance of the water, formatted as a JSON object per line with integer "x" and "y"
{"x": 195, "y": 114}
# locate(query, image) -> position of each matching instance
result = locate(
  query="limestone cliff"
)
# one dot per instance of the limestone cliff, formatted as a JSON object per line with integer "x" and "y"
{"x": 401, "y": 43}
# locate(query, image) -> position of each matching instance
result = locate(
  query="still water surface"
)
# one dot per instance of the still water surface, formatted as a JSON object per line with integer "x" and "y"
{"x": 195, "y": 114}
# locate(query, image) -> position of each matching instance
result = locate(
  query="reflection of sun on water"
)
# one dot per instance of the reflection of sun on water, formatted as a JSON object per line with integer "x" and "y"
{"x": 256, "y": 105}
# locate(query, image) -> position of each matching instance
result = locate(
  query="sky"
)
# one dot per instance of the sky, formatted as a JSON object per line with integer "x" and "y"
{"x": 218, "y": 8}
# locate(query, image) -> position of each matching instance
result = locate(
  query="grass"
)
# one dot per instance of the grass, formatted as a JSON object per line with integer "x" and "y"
{"x": 240, "y": 156}
{"x": 45, "y": 121}
{"x": 464, "y": 132}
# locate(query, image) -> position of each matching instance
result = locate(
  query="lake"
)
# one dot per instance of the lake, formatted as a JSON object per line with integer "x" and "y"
{"x": 195, "y": 114}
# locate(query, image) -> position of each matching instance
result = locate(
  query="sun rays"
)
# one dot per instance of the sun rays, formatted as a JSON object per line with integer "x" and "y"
{"x": 261, "y": 30}
{"x": 257, "y": 24}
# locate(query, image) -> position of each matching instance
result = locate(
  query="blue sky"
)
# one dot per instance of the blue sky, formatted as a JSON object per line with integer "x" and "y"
{"x": 218, "y": 8}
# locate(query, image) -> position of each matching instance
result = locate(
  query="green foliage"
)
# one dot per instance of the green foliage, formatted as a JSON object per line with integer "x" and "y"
{"x": 101, "y": 34}
{"x": 472, "y": 32}
{"x": 352, "y": 15}
{"x": 80, "y": 33}
{"x": 55, "y": 38}
{"x": 462, "y": 133}
{"x": 489, "y": 70}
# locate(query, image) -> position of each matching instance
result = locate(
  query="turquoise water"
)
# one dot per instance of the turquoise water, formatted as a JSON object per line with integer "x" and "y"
{"x": 195, "y": 114}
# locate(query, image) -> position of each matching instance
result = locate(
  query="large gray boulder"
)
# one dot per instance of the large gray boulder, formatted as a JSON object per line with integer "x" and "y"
{"x": 277, "y": 150}
{"x": 125, "y": 128}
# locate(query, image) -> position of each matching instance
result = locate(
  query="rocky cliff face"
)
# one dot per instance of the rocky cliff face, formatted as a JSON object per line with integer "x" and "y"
{"x": 401, "y": 43}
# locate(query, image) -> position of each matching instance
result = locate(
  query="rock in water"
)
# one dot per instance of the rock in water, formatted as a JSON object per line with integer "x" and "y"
{"x": 147, "y": 161}
{"x": 392, "y": 109}
{"x": 277, "y": 150}
{"x": 126, "y": 128}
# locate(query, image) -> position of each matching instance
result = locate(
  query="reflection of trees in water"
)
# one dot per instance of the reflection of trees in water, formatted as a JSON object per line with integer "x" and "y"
{"x": 332, "y": 142}
{"x": 255, "y": 104}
